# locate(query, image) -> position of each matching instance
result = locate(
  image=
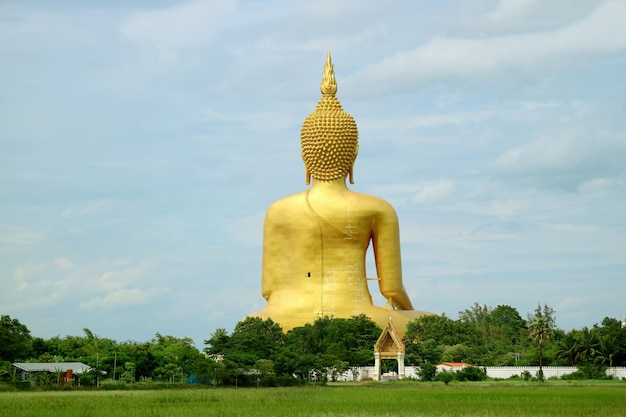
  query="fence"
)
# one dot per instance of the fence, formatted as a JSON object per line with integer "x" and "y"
{"x": 497, "y": 372}
{"x": 504, "y": 372}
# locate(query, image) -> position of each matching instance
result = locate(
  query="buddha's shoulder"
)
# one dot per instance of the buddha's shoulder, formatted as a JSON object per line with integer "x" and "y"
{"x": 376, "y": 203}
{"x": 291, "y": 202}
{"x": 353, "y": 199}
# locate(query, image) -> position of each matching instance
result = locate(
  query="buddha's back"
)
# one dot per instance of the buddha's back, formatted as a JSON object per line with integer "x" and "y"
{"x": 314, "y": 254}
{"x": 315, "y": 242}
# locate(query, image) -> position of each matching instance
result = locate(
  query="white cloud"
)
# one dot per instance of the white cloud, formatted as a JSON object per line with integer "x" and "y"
{"x": 574, "y": 228}
{"x": 15, "y": 238}
{"x": 538, "y": 105}
{"x": 247, "y": 230}
{"x": 121, "y": 262}
{"x": 63, "y": 263}
{"x": 50, "y": 283}
{"x": 506, "y": 208}
{"x": 513, "y": 15}
{"x": 494, "y": 231}
{"x": 427, "y": 120}
{"x": 441, "y": 58}
{"x": 28, "y": 270}
{"x": 597, "y": 185}
{"x": 258, "y": 121}
{"x": 390, "y": 189}
{"x": 188, "y": 24}
{"x": 434, "y": 192}
{"x": 123, "y": 297}
{"x": 84, "y": 210}
{"x": 35, "y": 29}
{"x": 121, "y": 276}
{"x": 165, "y": 37}
{"x": 566, "y": 159}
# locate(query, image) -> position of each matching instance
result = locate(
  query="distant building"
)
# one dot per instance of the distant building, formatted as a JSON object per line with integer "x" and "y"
{"x": 69, "y": 372}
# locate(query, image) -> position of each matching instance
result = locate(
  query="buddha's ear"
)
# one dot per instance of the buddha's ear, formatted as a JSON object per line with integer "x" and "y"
{"x": 306, "y": 168}
{"x": 351, "y": 172}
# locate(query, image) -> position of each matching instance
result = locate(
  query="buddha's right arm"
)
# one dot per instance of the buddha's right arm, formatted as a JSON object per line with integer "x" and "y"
{"x": 270, "y": 245}
{"x": 386, "y": 242}
{"x": 277, "y": 251}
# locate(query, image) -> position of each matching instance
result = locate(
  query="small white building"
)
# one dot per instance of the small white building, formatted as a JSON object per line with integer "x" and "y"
{"x": 452, "y": 366}
{"x": 69, "y": 371}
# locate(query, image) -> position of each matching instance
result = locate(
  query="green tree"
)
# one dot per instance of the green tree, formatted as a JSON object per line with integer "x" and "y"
{"x": 218, "y": 342}
{"x": 443, "y": 330}
{"x": 427, "y": 351}
{"x": 477, "y": 316}
{"x": 176, "y": 358}
{"x": 427, "y": 372}
{"x": 612, "y": 336}
{"x": 508, "y": 318}
{"x": 455, "y": 353}
{"x": 351, "y": 340}
{"x": 254, "y": 339}
{"x": 501, "y": 330}
{"x": 540, "y": 328}
{"x": 335, "y": 340}
{"x": 129, "y": 373}
{"x": 15, "y": 340}
{"x": 607, "y": 350}
{"x": 567, "y": 350}
{"x": 141, "y": 355}
{"x": 304, "y": 340}
{"x": 588, "y": 345}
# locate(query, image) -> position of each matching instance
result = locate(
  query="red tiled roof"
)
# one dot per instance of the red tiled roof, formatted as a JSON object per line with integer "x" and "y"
{"x": 455, "y": 364}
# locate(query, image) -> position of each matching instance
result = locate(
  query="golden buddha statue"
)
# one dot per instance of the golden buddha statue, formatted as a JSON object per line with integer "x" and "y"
{"x": 315, "y": 242}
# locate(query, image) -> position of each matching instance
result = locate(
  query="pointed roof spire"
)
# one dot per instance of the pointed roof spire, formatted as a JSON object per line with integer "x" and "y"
{"x": 328, "y": 85}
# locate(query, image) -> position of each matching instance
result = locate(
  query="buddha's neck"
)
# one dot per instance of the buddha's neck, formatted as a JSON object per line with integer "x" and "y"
{"x": 338, "y": 184}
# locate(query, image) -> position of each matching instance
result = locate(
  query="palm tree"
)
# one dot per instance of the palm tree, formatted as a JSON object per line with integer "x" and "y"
{"x": 607, "y": 350}
{"x": 588, "y": 345}
{"x": 568, "y": 348}
{"x": 540, "y": 328}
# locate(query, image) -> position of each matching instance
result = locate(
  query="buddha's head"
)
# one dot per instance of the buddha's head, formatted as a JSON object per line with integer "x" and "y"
{"x": 329, "y": 137}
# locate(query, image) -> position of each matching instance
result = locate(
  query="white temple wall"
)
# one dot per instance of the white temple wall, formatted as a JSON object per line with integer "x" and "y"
{"x": 499, "y": 372}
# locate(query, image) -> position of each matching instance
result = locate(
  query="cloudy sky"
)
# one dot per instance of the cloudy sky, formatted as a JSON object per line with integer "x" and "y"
{"x": 142, "y": 141}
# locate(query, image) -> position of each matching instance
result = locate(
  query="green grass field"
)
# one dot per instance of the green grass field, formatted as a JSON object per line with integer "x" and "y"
{"x": 363, "y": 400}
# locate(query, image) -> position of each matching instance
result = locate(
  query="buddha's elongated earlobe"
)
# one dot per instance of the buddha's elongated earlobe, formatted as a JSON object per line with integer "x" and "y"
{"x": 308, "y": 177}
{"x": 351, "y": 171}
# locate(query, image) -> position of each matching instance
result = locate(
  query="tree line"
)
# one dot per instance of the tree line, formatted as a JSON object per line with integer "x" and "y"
{"x": 258, "y": 352}
{"x": 501, "y": 337}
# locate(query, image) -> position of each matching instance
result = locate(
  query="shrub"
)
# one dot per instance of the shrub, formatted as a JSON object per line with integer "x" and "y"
{"x": 471, "y": 373}
{"x": 445, "y": 377}
{"x": 540, "y": 377}
{"x": 586, "y": 371}
{"x": 593, "y": 371}
{"x": 574, "y": 376}
{"x": 427, "y": 372}
{"x": 113, "y": 385}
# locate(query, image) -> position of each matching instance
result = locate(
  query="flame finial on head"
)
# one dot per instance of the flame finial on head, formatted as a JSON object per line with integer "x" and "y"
{"x": 329, "y": 84}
